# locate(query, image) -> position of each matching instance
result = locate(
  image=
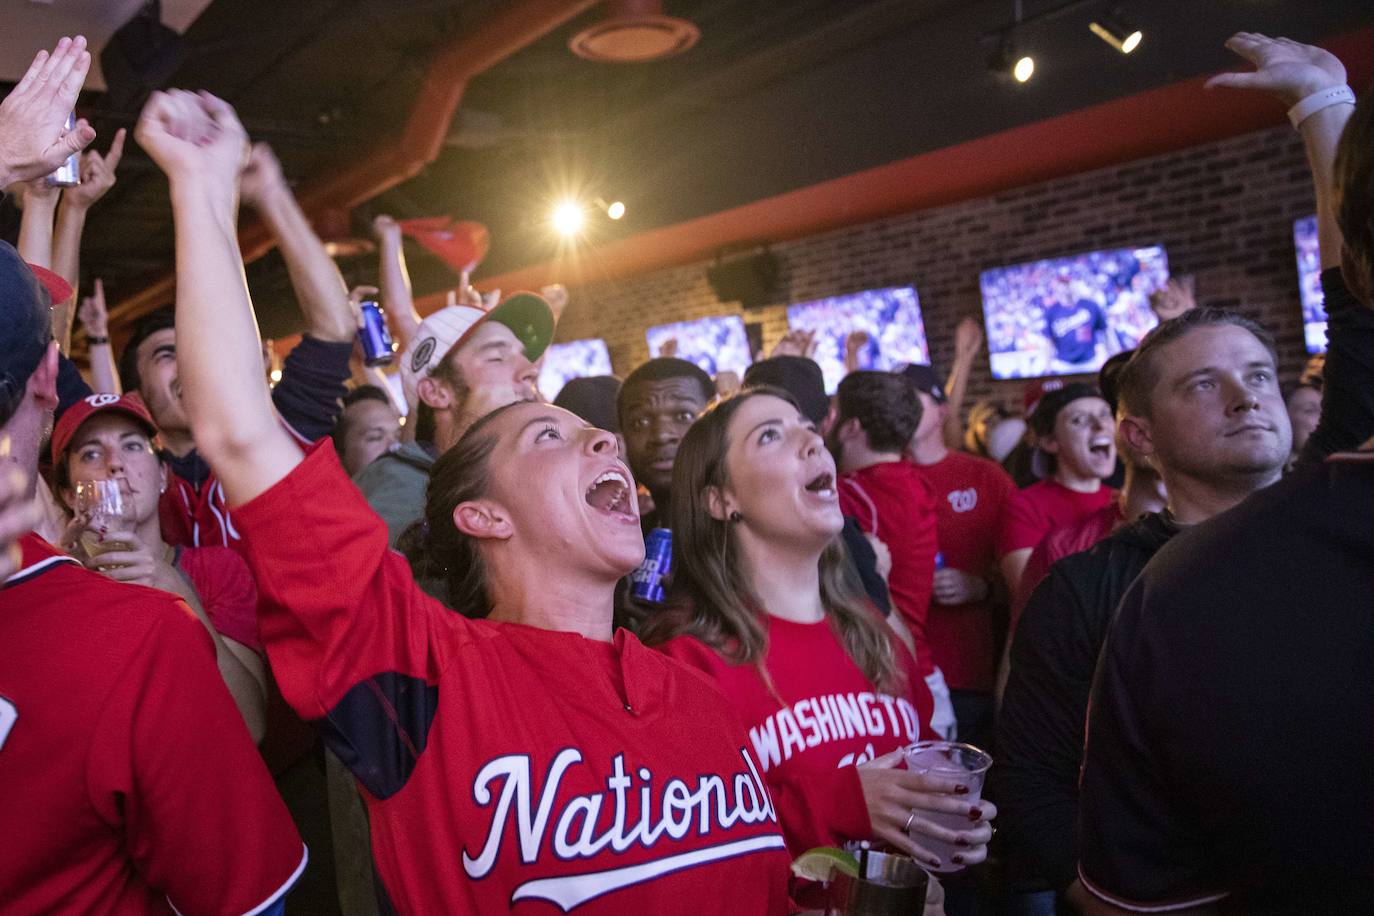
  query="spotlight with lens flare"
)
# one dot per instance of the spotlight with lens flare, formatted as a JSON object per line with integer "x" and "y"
{"x": 615, "y": 210}
{"x": 568, "y": 218}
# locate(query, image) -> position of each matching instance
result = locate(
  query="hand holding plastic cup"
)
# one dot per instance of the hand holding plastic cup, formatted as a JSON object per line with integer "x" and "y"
{"x": 949, "y": 760}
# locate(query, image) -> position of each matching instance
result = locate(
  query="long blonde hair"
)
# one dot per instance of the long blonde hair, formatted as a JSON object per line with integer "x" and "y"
{"x": 711, "y": 598}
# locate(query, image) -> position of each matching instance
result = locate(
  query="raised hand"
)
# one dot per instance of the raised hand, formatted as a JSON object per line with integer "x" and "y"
{"x": 1289, "y": 70}
{"x": 968, "y": 340}
{"x": 34, "y": 139}
{"x": 796, "y": 342}
{"x": 194, "y": 137}
{"x": 262, "y": 175}
{"x": 669, "y": 348}
{"x": 97, "y": 174}
{"x": 1173, "y": 299}
{"x": 95, "y": 319}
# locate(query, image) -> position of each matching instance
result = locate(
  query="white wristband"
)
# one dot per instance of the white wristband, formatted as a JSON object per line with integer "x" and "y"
{"x": 1325, "y": 98}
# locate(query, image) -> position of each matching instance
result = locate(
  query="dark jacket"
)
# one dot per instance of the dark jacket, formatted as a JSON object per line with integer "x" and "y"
{"x": 1053, "y": 656}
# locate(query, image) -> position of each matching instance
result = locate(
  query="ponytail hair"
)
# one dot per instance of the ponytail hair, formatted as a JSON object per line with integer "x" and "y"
{"x": 445, "y": 560}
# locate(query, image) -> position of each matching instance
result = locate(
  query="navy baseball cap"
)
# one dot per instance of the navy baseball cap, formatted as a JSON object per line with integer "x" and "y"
{"x": 926, "y": 380}
{"x": 25, "y": 327}
{"x": 799, "y": 376}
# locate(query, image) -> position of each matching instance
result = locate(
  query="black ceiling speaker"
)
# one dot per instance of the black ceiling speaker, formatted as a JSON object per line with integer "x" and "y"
{"x": 140, "y": 57}
{"x": 751, "y": 280}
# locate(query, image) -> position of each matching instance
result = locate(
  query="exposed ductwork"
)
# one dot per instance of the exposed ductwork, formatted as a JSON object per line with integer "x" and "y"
{"x": 510, "y": 28}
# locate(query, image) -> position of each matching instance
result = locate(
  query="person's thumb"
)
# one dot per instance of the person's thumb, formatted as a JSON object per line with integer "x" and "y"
{"x": 77, "y": 139}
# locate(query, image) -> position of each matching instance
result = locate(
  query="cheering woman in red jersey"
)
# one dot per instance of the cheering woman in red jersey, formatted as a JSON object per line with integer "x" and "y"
{"x": 509, "y": 763}
{"x": 765, "y": 603}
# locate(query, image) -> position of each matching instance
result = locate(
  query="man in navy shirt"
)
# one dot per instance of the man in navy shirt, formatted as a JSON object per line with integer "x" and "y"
{"x": 1076, "y": 328}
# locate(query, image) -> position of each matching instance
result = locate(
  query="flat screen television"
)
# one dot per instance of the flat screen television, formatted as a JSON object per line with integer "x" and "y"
{"x": 1310, "y": 284}
{"x": 717, "y": 344}
{"x": 890, "y": 316}
{"x": 574, "y": 359}
{"x": 1065, "y": 316}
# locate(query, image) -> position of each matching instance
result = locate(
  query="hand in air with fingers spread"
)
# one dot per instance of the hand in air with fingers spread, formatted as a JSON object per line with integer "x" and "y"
{"x": 1290, "y": 70}
{"x": 34, "y": 139}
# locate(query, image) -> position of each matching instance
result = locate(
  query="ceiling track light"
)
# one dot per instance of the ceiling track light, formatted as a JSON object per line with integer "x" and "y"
{"x": 1116, "y": 32}
{"x": 1010, "y": 62}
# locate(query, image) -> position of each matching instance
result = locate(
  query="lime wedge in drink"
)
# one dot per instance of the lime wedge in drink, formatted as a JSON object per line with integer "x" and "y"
{"x": 821, "y": 863}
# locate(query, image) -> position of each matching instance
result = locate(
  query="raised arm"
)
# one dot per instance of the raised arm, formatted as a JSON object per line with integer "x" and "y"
{"x": 1293, "y": 72}
{"x": 397, "y": 301}
{"x": 34, "y": 139}
{"x": 95, "y": 320}
{"x": 97, "y": 177}
{"x": 35, "y": 225}
{"x": 319, "y": 286}
{"x": 968, "y": 340}
{"x": 198, "y": 141}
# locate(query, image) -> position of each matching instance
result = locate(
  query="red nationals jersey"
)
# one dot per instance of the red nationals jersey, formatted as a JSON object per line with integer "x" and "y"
{"x": 128, "y": 782}
{"x": 893, "y": 502}
{"x": 823, "y": 720}
{"x": 504, "y": 767}
{"x": 971, "y": 495}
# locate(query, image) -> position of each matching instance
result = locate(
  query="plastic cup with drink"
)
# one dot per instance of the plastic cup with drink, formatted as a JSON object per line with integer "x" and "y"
{"x": 949, "y": 760}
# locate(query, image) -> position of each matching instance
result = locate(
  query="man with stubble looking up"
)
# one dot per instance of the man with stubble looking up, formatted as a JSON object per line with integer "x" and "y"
{"x": 657, "y": 403}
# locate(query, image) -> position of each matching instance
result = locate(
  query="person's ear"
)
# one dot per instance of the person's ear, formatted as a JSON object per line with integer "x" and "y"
{"x": 434, "y": 393}
{"x": 831, "y": 415}
{"x": 850, "y": 430}
{"x": 42, "y": 385}
{"x": 719, "y": 503}
{"x": 1137, "y": 434}
{"x": 484, "y": 519}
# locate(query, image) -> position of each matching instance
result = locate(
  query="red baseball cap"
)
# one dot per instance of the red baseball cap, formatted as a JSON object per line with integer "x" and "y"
{"x": 1035, "y": 390}
{"x": 74, "y": 416}
{"x": 59, "y": 290}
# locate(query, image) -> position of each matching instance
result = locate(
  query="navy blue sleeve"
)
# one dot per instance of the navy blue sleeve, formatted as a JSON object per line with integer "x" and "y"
{"x": 312, "y": 385}
{"x": 71, "y": 387}
{"x": 865, "y": 563}
{"x": 1348, "y": 379}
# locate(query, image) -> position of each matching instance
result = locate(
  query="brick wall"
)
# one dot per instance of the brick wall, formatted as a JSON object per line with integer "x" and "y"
{"x": 1223, "y": 211}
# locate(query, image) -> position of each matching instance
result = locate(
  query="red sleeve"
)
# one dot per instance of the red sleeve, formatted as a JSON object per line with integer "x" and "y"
{"x": 172, "y": 764}
{"x": 336, "y": 605}
{"x": 1021, "y": 525}
{"x": 914, "y": 546}
{"x": 226, "y": 589}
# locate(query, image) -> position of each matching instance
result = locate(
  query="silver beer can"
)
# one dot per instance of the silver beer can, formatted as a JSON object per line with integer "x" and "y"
{"x": 68, "y": 174}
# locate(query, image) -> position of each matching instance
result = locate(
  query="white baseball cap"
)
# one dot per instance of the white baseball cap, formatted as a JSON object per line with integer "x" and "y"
{"x": 526, "y": 314}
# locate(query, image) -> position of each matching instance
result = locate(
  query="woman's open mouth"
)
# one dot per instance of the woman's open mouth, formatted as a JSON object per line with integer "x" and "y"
{"x": 611, "y": 493}
{"x": 823, "y": 485}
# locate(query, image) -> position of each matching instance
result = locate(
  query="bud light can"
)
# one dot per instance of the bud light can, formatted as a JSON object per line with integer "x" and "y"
{"x": 68, "y": 174}
{"x": 376, "y": 339}
{"x": 646, "y": 583}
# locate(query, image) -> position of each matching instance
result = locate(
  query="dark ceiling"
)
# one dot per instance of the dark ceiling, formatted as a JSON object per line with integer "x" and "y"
{"x": 776, "y": 96}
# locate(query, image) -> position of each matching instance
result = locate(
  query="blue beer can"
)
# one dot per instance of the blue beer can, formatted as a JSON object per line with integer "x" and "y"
{"x": 376, "y": 339}
{"x": 646, "y": 583}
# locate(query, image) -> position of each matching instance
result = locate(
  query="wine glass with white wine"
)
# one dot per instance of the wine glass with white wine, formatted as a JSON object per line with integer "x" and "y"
{"x": 106, "y": 505}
